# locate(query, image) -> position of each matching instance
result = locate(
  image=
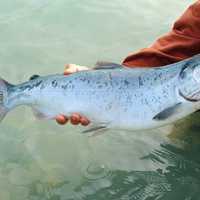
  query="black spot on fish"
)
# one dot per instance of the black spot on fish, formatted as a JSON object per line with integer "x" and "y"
{"x": 83, "y": 79}
{"x": 30, "y": 86}
{"x": 54, "y": 83}
{"x": 110, "y": 76}
{"x": 140, "y": 81}
{"x": 35, "y": 85}
{"x": 98, "y": 82}
{"x": 155, "y": 78}
{"x": 126, "y": 82}
{"x": 160, "y": 75}
{"x": 42, "y": 86}
{"x": 64, "y": 86}
{"x": 183, "y": 73}
{"x": 106, "y": 84}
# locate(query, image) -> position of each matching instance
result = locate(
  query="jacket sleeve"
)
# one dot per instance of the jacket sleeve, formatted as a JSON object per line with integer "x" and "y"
{"x": 182, "y": 42}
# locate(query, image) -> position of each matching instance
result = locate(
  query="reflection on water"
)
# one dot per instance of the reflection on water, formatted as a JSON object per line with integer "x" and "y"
{"x": 180, "y": 180}
{"x": 96, "y": 171}
{"x": 39, "y": 167}
{"x": 43, "y": 161}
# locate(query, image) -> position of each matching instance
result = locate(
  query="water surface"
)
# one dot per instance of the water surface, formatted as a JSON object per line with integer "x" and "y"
{"x": 43, "y": 161}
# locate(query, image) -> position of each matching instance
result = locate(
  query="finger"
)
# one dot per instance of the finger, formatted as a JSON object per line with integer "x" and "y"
{"x": 70, "y": 68}
{"x": 75, "y": 119}
{"x": 61, "y": 119}
{"x": 84, "y": 121}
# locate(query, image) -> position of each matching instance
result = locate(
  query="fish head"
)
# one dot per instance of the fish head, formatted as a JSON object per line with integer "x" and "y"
{"x": 189, "y": 77}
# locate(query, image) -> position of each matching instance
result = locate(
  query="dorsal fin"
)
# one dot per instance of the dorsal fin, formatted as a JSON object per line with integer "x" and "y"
{"x": 106, "y": 65}
{"x": 34, "y": 77}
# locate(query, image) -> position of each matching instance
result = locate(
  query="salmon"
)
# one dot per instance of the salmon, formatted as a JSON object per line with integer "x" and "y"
{"x": 112, "y": 96}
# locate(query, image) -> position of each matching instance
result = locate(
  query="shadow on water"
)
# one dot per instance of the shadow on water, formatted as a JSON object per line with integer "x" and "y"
{"x": 179, "y": 180}
{"x": 40, "y": 173}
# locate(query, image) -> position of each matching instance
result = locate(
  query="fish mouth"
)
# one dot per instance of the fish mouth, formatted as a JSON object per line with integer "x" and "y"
{"x": 189, "y": 98}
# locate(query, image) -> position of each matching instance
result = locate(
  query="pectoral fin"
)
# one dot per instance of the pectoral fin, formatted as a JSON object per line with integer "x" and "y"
{"x": 168, "y": 112}
{"x": 106, "y": 65}
{"x": 96, "y": 129}
{"x": 93, "y": 129}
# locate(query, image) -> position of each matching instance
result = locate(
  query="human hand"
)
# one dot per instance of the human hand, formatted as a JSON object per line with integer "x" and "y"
{"x": 75, "y": 118}
{"x": 72, "y": 68}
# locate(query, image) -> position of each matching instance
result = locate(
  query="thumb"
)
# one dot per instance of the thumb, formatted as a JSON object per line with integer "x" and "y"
{"x": 70, "y": 68}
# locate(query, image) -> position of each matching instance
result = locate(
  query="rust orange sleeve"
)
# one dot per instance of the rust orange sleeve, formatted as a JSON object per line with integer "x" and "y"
{"x": 182, "y": 42}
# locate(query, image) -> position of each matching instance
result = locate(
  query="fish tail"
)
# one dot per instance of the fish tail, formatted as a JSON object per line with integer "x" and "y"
{"x": 3, "y": 98}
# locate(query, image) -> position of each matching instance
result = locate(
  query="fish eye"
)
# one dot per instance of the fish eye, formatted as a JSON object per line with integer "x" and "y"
{"x": 196, "y": 73}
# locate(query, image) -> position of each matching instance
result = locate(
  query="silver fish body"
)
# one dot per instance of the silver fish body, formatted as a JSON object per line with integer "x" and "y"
{"x": 112, "y": 96}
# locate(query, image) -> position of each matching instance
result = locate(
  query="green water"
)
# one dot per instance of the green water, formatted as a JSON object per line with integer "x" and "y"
{"x": 43, "y": 161}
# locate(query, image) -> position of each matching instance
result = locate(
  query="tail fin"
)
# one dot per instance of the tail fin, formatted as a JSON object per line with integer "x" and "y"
{"x": 3, "y": 98}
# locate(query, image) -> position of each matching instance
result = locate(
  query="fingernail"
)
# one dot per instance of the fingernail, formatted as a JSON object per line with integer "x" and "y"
{"x": 84, "y": 121}
{"x": 66, "y": 73}
{"x": 74, "y": 119}
{"x": 61, "y": 120}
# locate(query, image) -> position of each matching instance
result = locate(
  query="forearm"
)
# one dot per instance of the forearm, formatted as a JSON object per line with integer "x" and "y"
{"x": 182, "y": 42}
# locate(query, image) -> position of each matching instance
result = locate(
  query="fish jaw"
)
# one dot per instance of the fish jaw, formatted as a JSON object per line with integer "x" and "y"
{"x": 189, "y": 80}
